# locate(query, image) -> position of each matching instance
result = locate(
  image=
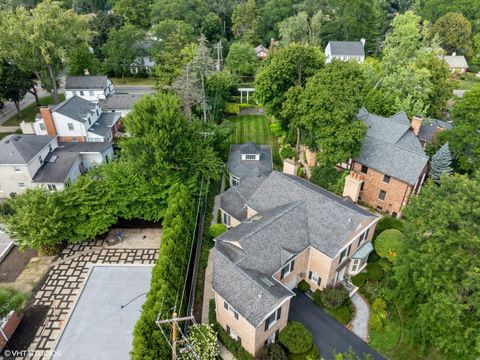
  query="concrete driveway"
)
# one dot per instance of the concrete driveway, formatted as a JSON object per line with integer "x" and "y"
{"x": 328, "y": 333}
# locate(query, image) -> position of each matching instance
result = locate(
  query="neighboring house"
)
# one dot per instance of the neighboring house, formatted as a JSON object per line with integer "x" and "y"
{"x": 427, "y": 129}
{"x": 287, "y": 230}
{"x": 91, "y": 88}
{"x": 77, "y": 120}
{"x": 28, "y": 161}
{"x": 392, "y": 164}
{"x": 456, "y": 63}
{"x": 144, "y": 63}
{"x": 120, "y": 103}
{"x": 249, "y": 158}
{"x": 261, "y": 52}
{"x": 345, "y": 51}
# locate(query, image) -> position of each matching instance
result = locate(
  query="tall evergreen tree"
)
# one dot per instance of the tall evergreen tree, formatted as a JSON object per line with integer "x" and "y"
{"x": 440, "y": 163}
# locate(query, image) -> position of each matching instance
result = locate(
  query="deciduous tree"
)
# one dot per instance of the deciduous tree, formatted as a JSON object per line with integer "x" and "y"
{"x": 134, "y": 12}
{"x": 14, "y": 84}
{"x": 241, "y": 59}
{"x": 246, "y": 22}
{"x": 454, "y": 31}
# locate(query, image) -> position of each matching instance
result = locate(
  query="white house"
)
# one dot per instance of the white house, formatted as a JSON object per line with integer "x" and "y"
{"x": 91, "y": 88}
{"x": 345, "y": 51}
{"x": 456, "y": 63}
{"x": 28, "y": 161}
{"x": 77, "y": 120}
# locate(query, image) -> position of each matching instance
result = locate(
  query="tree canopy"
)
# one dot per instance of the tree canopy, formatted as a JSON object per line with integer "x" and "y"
{"x": 242, "y": 59}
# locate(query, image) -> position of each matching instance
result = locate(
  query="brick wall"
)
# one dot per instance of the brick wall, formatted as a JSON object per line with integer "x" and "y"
{"x": 397, "y": 192}
{"x": 47, "y": 117}
{"x": 9, "y": 329}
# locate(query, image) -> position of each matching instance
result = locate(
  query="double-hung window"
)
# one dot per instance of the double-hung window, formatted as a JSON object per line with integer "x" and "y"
{"x": 273, "y": 318}
{"x": 70, "y": 126}
{"x": 287, "y": 269}
{"x": 229, "y": 307}
{"x": 226, "y": 219}
{"x": 362, "y": 237}
{"x": 344, "y": 253}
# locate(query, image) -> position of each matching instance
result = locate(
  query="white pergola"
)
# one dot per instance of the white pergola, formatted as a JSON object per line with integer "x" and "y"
{"x": 247, "y": 90}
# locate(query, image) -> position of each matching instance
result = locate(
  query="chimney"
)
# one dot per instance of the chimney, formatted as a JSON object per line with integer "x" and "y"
{"x": 352, "y": 186}
{"x": 362, "y": 40}
{"x": 290, "y": 167}
{"x": 48, "y": 120}
{"x": 416, "y": 124}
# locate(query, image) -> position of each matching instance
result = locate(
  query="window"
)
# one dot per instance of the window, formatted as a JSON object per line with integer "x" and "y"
{"x": 272, "y": 319}
{"x": 382, "y": 195}
{"x": 379, "y": 208}
{"x": 226, "y": 219}
{"x": 52, "y": 187}
{"x": 355, "y": 265}
{"x": 21, "y": 185}
{"x": 342, "y": 255}
{"x": 82, "y": 93}
{"x": 49, "y": 147}
{"x": 70, "y": 126}
{"x": 364, "y": 169}
{"x": 74, "y": 140}
{"x": 40, "y": 160}
{"x": 17, "y": 168}
{"x": 235, "y": 181}
{"x": 250, "y": 157}
{"x": 362, "y": 237}
{"x": 91, "y": 93}
{"x": 287, "y": 269}
{"x": 229, "y": 307}
{"x": 42, "y": 126}
{"x": 314, "y": 277}
{"x": 386, "y": 179}
{"x": 361, "y": 186}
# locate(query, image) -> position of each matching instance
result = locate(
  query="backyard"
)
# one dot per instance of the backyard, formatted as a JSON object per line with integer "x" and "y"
{"x": 254, "y": 128}
{"x": 30, "y": 111}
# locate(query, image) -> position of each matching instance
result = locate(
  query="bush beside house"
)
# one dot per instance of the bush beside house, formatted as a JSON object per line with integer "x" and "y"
{"x": 335, "y": 302}
{"x": 303, "y": 286}
{"x": 389, "y": 244}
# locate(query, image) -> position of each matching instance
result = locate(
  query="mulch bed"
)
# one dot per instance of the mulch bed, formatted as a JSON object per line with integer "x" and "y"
{"x": 12, "y": 266}
{"x": 28, "y": 327}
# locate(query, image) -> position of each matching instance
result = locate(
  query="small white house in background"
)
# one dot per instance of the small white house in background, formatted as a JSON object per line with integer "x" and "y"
{"x": 142, "y": 64}
{"x": 345, "y": 51}
{"x": 77, "y": 120}
{"x": 28, "y": 161}
{"x": 91, "y": 88}
{"x": 261, "y": 52}
{"x": 456, "y": 63}
{"x": 120, "y": 103}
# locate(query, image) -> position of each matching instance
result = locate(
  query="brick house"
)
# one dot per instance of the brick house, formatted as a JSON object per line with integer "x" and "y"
{"x": 392, "y": 164}
{"x": 427, "y": 129}
{"x": 78, "y": 120}
{"x": 283, "y": 229}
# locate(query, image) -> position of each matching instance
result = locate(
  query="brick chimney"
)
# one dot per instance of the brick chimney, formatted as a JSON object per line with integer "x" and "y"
{"x": 48, "y": 120}
{"x": 416, "y": 124}
{"x": 352, "y": 186}
{"x": 290, "y": 167}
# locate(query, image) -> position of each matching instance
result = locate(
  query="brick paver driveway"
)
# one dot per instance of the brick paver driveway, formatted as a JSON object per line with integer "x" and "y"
{"x": 65, "y": 280}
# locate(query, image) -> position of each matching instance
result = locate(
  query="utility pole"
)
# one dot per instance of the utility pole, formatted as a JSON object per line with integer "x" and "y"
{"x": 174, "y": 322}
{"x": 218, "y": 46}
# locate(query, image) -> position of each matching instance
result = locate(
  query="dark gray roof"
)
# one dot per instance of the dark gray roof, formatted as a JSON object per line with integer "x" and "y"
{"x": 104, "y": 123}
{"x": 20, "y": 149}
{"x": 241, "y": 168}
{"x": 120, "y": 101}
{"x": 97, "y": 82}
{"x": 234, "y": 199}
{"x": 347, "y": 48}
{"x": 59, "y": 162}
{"x": 391, "y": 147}
{"x": 75, "y": 108}
{"x": 332, "y": 220}
{"x": 430, "y": 126}
{"x": 291, "y": 215}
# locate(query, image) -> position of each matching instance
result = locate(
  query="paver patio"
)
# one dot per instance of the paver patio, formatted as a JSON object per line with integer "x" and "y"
{"x": 65, "y": 280}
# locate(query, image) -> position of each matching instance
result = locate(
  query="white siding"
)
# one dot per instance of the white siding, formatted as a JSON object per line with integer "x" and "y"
{"x": 34, "y": 164}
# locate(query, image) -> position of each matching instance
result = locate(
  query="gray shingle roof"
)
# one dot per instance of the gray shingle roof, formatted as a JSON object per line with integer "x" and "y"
{"x": 75, "y": 108}
{"x": 120, "y": 101}
{"x": 234, "y": 199}
{"x": 455, "y": 61}
{"x": 104, "y": 123}
{"x": 64, "y": 158}
{"x": 241, "y": 168}
{"x": 292, "y": 215}
{"x": 20, "y": 149}
{"x": 429, "y": 128}
{"x": 97, "y": 82}
{"x": 347, "y": 48}
{"x": 391, "y": 147}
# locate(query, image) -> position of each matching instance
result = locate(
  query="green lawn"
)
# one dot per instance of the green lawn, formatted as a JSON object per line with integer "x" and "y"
{"x": 253, "y": 128}
{"x": 466, "y": 84}
{"x": 30, "y": 111}
{"x": 133, "y": 81}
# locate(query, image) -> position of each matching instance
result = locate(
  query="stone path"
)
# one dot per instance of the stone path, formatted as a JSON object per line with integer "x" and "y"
{"x": 65, "y": 280}
{"x": 362, "y": 314}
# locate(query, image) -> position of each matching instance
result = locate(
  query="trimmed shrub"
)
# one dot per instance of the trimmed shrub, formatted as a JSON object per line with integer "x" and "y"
{"x": 359, "y": 279}
{"x": 388, "y": 222}
{"x": 334, "y": 296}
{"x": 374, "y": 272}
{"x": 375, "y": 322}
{"x": 313, "y": 354}
{"x": 296, "y": 338}
{"x": 231, "y": 108}
{"x": 287, "y": 152}
{"x": 303, "y": 286}
{"x": 11, "y": 300}
{"x": 317, "y": 298}
{"x": 271, "y": 352}
{"x": 342, "y": 314}
{"x": 217, "y": 230}
{"x": 212, "y": 316}
{"x": 373, "y": 257}
{"x": 389, "y": 244}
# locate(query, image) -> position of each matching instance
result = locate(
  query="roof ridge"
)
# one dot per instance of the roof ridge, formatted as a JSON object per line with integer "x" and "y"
{"x": 399, "y": 145}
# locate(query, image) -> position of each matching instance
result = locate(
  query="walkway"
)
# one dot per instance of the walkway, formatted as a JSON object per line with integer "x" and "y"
{"x": 362, "y": 314}
{"x": 329, "y": 335}
{"x": 216, "y": 204}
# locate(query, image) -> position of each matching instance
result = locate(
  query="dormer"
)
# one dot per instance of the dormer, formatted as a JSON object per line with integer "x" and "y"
{"x": 250, "y": 151}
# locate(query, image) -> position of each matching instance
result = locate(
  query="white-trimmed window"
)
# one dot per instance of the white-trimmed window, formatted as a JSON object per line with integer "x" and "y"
{"x": 362, "y": 237}
{"x": 40, "y": 160}
{"x": 233, "y": 335}
{"x": 17, "y": 168}
{"x": 273, "y": 318}
{"x": 287, "y": 269}
{"x": 235, "y": 180}
{"x": 52, "y": 187}
{"x": 42, "y": 126}
{"x": 314, "y": 277}
{"x": 226, "y": 219}
{"x": 21, "y": 185}
{"x": 70, "y": 126}
{"x": 230, "y": 309}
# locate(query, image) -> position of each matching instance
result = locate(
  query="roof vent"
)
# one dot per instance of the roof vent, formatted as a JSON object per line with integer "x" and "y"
{"x": 53, "y": 159}
{"x": 268, "y": 282}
